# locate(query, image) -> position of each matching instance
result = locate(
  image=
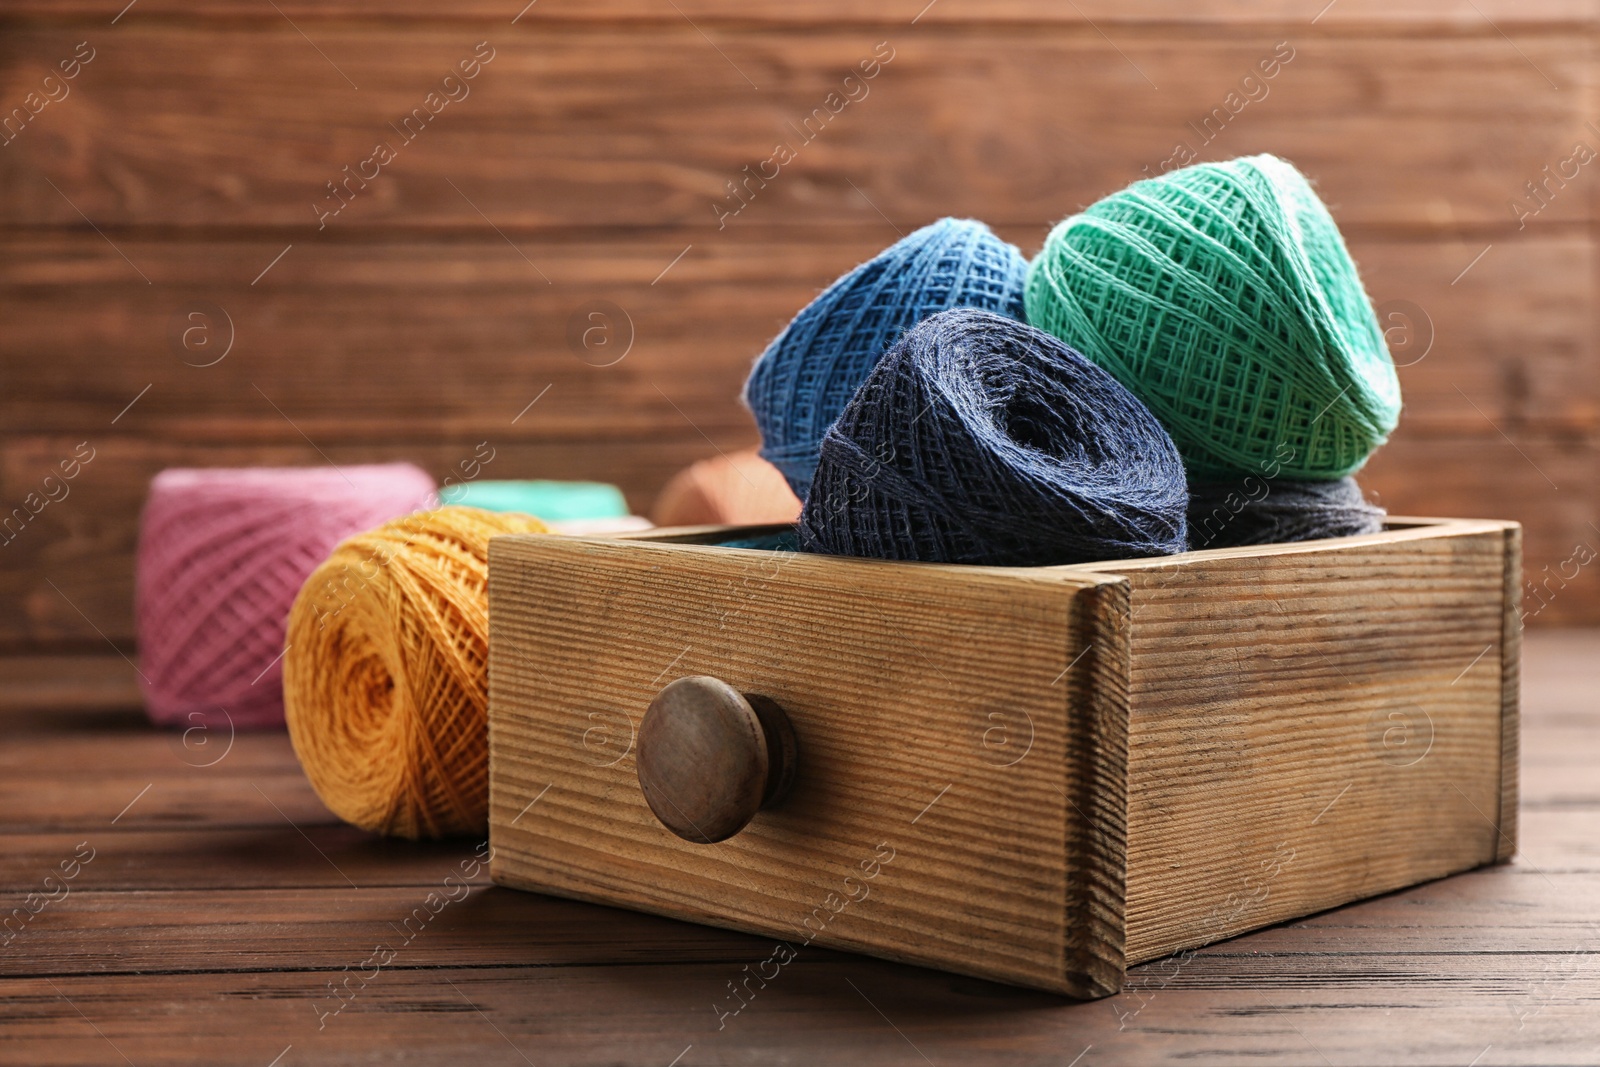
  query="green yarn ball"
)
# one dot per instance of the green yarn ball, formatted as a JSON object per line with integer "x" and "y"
{"x": 1223, "y": 297}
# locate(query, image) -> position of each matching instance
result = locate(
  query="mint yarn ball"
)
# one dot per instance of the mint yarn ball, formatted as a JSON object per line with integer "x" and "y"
{"x": 551, "y": 501}
{"x": 807, "y": 375}
{"x": 1223, "y": 296}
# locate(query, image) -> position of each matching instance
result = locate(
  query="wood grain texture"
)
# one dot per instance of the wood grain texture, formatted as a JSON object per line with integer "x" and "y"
{"x": 456, "y": 336}
{"x": 590, "y": 151}
{"x": 1260, "y": 682}
{"x": 1491, "y": 967}
{"x": 155, "y": 799}
{"x": 1097, "y": 785}
{"x": 43, "y": 693}
{"x": 1498, "y": 959}
{"x": 438, "y": 923}
{"x": 1455, "y": 16}
{"x": 1533, "y": 1010}
{"x": 235, "y": 858}
{"x": 1553, "y": 483}
{"x": 1506, "y": 821}
{"x": 1510, "y": 344}
{"x": 937, "y": 813}
{"x": 1455, "y": 125}
{"x": 1310, "y": 724}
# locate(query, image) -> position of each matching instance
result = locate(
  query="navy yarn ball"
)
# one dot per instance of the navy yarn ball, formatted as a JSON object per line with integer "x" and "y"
{"x": 807, "y": 375}
{"x": 1257, "y": 510}
{"x": 979, "y": 439}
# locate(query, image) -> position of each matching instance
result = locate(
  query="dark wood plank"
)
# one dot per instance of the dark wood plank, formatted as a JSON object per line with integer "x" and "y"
{"x": 455, "y": 336}
{"x": 1539, "y": 1008}
{"x": 1550, "y": 485}
{"x": 1556, "y": 840}
{"x": 459, "y": 335}
{"x": 54, "y": 694}
{"x": 1558, "y": 767}
{"x": 1560, "y": 839}
{"x": 314, "y": 855}
{"x": 156, "y": 799}
{"x": 129, "y": 741}
{"x": 448, "y": 921}
{"x": 1504, "y": 344}
{"x": 1502, "y": 910}
{"x": 1507, "y": 909}
{"x": 1458, "y": 16}
{"x": 1455, "y": 124}
{"x": 1438, "y": 973}
{"x": 1558, "y": 676}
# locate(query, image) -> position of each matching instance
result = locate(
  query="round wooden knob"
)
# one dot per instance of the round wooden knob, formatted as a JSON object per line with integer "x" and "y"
{"x": 711, "y": 757}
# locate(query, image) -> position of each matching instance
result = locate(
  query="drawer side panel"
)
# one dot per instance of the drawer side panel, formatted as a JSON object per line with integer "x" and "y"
{"x": 1311, "y": 728}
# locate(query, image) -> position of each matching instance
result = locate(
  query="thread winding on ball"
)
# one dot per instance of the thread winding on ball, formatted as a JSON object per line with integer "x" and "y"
{"x": 386, "y": 675}
{"x": 1255, "y": 510}
{"x": 1223, "y": 296}
{"x": 222, "y": 553}
{"x": 804, "y": 379}
{"x": 978, "y": 439}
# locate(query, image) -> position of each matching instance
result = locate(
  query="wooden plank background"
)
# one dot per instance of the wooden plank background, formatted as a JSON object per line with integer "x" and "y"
{"x": 181, "y": 168}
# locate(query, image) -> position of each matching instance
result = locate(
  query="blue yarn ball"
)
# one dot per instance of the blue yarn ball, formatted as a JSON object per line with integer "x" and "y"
{"x": 807, "y": 375}
{"x": 978, "y": 439}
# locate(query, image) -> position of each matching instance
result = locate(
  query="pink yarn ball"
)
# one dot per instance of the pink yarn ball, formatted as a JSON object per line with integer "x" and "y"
{"x": 222, "y": 554}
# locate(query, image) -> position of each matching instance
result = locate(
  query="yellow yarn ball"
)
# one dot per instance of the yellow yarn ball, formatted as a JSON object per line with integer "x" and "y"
{"x": 385, "y": 680}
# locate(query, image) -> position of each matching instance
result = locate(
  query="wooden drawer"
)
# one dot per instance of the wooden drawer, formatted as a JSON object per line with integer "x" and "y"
{"x": 1035, "y": 775}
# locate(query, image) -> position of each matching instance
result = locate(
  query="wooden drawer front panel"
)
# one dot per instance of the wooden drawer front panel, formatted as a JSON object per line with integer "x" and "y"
{"x": 1313, "y": 725}
{"x": 962, "y": 734}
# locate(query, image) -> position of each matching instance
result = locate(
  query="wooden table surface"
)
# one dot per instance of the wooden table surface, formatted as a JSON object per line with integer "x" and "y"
{"x": 215, "y": 908}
